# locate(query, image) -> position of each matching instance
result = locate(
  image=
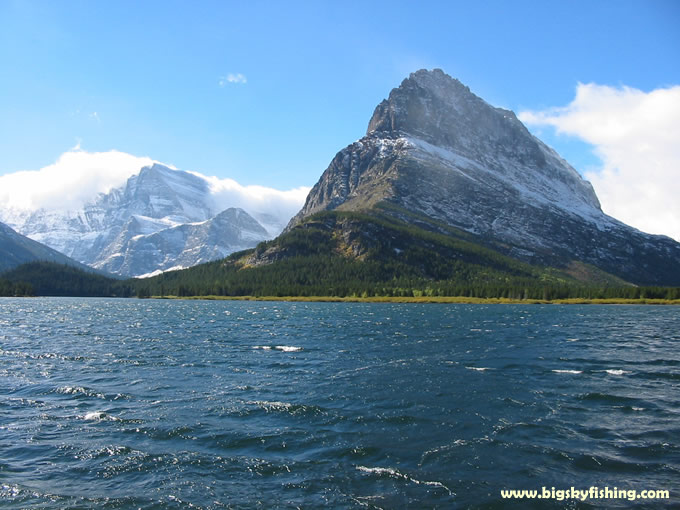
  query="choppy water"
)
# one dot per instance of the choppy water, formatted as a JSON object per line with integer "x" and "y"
{"x": 172, "y": 404}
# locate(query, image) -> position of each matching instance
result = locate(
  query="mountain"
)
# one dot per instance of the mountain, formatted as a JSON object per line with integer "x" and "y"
{"x": 16, "y": 250}
{"x": 160, "y": 219}
{"x": 437, "y": 156}
{"x": 181, "y": 246}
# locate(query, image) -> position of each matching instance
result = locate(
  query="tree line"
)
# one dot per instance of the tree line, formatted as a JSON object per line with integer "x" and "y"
{"x": 302, "y": 277}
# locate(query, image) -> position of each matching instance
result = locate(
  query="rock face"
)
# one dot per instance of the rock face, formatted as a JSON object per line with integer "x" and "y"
{"x": 16, "y": 249}
{"x": 435, "y": 151}
{"x": 182, "y": 246}
{"x": 160, "y": 219}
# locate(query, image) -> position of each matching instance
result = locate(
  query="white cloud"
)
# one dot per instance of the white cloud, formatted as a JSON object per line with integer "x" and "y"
{"x": 232, "y": 78}
{"x": 95, "y": 116}
{"x": 256, "y": 199}
{"x": 636, "y": 134}
{"x": 76, "y": 177}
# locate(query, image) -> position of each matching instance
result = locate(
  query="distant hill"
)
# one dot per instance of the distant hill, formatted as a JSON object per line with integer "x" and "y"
{"x": 16, "y": 249}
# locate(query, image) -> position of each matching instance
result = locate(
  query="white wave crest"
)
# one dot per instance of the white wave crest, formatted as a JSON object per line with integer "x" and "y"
{"x": 396, "y": 474}
{"x": 568, "y": 371}
{"x": 284, "y": 348}
{"x": 79, "y": 390}
{"x": 95, "y": 415}
{"x": 271, "y": 406}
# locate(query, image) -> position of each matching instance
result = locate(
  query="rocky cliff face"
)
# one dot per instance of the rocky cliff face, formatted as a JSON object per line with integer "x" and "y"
{"x": 435, "y": 150}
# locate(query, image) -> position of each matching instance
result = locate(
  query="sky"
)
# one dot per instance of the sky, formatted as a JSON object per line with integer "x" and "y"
{"x": 267, "y": 92}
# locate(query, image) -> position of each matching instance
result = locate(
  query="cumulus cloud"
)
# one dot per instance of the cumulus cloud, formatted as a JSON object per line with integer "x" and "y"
{"x": 256, "y": 199}
{"x": 636, "y": 134}
{"x": 76, "y": 178}
{"x": 232, "y": 78}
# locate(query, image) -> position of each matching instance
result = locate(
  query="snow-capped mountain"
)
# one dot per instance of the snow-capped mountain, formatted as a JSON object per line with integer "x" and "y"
{"x": 435, "y": 151}
{"x": 160, "y": 219}
{"x": 181, "y": 246}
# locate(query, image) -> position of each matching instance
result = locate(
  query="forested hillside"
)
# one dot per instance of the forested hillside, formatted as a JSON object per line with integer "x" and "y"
{"x": 51, "y": 279}
{"x": 352, "y": 254}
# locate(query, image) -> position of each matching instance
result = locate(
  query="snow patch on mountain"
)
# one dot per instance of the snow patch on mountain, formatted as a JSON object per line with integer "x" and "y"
{"x": 536, "y": 189}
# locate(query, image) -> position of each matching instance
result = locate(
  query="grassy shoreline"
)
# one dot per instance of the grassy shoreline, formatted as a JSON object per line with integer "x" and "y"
{"x": 431, "y": 299}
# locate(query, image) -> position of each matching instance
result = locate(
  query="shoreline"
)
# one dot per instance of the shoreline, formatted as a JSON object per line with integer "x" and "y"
{"x": 429, "y": 300}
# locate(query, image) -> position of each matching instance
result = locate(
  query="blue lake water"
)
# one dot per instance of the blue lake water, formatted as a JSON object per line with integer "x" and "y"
{"x": 225, "y": 404}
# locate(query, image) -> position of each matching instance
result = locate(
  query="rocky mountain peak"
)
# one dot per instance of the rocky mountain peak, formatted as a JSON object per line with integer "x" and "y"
{"x": 160, "y": 192}
{"x": 155, "y": 173}
{"x": 411, "y": 107}
{"x": 154, "y": 168}
{"x": 433, "y": 107}
{"x": 237, "y": 217}
{"x": 438, "y": 109}
{"x": 434, "y": 121}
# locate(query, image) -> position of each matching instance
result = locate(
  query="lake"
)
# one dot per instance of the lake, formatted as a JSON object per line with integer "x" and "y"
{"x": 109, "y": 403}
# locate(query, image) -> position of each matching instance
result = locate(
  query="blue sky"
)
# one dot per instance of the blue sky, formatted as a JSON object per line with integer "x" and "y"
{"x": 151, "y": 78}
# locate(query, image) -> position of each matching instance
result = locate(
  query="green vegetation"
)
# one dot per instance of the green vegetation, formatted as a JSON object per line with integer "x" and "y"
{"x": 431, "y": 299}
{"x": 52, "y": 279}
{"x": 22, "y": 289}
